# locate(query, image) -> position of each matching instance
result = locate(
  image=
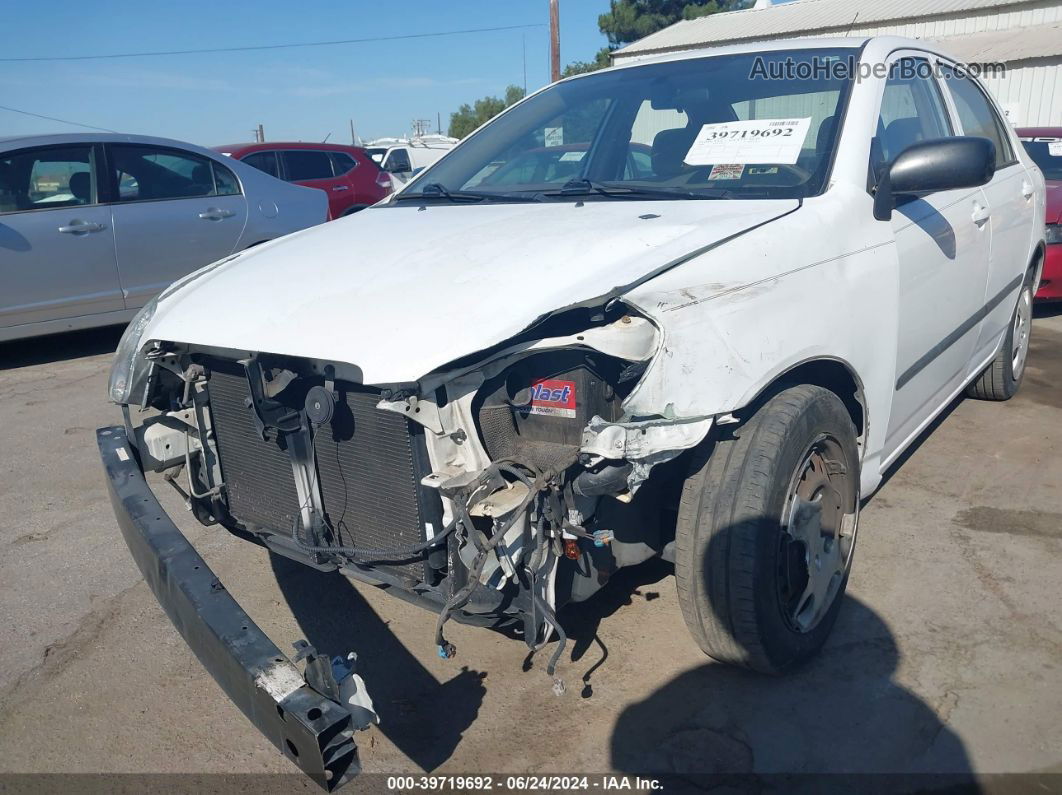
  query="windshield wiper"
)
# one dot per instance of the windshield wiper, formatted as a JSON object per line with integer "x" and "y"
{"x": 581, "y": 187}
{"x": 437, "y": 190}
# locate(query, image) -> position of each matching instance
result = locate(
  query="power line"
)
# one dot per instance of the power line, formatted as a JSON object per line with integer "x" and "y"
{"x": 53, "y": 118}
{"x": 265, "y": 46}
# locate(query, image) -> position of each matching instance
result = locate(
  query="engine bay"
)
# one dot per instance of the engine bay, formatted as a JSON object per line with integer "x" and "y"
{"x": 494, "y": 496}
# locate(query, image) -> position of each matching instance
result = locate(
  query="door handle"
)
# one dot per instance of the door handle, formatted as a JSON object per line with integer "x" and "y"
{"x": 341, "y": 187}
{"x": 76, "y": 227}
{"x": 980, "y": 214}
{"x": 214, "y": 214}
{"x": 1026, "y": 189}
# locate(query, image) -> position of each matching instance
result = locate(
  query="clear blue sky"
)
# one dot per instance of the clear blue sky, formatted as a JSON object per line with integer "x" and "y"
{"x": 298, "y": 94}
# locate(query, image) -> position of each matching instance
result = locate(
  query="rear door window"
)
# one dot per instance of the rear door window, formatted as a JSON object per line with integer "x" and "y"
{"x": 263, "y": 161}
{"x": 149, "y": 173}
{"x": 303, "y": 164}
{"x": 977, "y": 116}
{"x": 35, "y": 179}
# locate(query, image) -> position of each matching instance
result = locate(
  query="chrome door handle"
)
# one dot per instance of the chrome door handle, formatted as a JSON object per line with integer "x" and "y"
{"x": 1026, "y": 189}
{"x": 341, "y": 187}
{"x": 76, "y": 227}
{"x": 980, "y": 214}
{"x": 214, "y": 214}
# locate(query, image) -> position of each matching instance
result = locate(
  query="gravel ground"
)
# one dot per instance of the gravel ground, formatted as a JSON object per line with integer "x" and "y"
{"x": 947, "y": 656}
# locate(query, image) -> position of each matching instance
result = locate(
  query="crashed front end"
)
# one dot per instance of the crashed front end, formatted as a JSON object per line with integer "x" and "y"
{"x": 492, "y": 491}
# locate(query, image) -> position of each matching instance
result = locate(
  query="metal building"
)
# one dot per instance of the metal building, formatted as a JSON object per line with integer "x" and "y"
{"x": 1024, "y": 35}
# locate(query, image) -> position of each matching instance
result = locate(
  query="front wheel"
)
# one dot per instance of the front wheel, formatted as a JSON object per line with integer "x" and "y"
{"x": 766, "y": 531}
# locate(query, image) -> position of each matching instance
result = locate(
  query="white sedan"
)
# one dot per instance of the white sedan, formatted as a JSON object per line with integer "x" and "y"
{"x": 488, "y": 398}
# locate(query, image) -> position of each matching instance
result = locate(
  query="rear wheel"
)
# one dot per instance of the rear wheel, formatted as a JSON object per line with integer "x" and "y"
{"x": 766, "y": 530}
{"x": 1001, "y": 379}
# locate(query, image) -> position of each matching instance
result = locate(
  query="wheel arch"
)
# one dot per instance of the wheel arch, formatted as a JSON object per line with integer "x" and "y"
{"x": 828, "y": 372}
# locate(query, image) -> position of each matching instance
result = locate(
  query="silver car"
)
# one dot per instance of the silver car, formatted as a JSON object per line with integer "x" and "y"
{"x": 93, "y": 226}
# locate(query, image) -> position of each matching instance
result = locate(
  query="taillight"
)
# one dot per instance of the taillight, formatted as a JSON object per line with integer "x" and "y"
{"x": 383, "y": 179}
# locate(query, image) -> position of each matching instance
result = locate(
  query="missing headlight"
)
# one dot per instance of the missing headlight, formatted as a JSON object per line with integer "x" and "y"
{"x": 535, "y": 411}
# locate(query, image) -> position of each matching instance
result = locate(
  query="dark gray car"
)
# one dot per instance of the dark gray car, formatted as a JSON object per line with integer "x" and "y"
{"x": 93, "y": 226}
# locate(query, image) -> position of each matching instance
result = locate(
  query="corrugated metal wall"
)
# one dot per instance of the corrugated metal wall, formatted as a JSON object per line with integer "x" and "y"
{"x": 1031, "y": 90}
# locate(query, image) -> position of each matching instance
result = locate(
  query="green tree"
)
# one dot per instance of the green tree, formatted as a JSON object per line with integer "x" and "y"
{"x": 601, "y": 60}
{"x": 630, "y": 20}
{"x": 468, "y": 117}
{"x": 626, "y": 21}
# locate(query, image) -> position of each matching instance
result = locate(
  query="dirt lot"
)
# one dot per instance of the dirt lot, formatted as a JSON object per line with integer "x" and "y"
{"x": 947, "y": 656}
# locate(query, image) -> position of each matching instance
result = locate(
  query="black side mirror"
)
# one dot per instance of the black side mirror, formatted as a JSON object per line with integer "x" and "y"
{"x": 931, "y": 166}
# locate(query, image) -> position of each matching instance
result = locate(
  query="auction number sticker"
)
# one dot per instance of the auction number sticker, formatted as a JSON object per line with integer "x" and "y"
{"x": 753, "y": 142}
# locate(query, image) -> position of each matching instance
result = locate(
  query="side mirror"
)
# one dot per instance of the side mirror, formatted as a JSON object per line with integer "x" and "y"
{"x": 931, "y": 166}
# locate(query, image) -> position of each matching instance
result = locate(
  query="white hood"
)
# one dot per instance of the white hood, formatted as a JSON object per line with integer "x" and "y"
{"x": 400, "y": 291}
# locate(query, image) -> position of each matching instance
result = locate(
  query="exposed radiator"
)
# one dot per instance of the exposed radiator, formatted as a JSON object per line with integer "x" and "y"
{"x": 369, "y": 463}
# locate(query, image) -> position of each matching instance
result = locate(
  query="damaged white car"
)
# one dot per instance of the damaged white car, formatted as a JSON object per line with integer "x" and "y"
{"x": 714, "y": 300}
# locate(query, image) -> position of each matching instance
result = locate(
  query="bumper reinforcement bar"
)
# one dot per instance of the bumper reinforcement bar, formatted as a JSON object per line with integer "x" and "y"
{"x": 313, "y": 731}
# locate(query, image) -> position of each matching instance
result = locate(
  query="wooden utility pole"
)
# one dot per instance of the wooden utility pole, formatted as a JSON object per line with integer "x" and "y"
{"x": 554, "y": 41}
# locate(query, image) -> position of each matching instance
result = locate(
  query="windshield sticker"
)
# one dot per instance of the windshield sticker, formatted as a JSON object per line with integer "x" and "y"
{"x": 553, "y": 136}
{"x": 753, "y": 170}
{"x": 572, "y": 157}
{"x": 1054, "y": 148}
{"x": 757, "y": 141}
{"x": 727, "y": 171}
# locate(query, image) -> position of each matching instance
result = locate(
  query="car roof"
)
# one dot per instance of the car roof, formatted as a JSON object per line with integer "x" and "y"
{"x": 1036, "y": 132}
{"x": 58, "y": 139}
{"x": 271, "y": 145}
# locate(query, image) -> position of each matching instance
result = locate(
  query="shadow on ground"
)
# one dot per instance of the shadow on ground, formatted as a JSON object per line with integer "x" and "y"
{"x": 842, "y": 713}
{"x": 424, "y": 718}
{"x": 59, "y": 347}
{"x": 582, "y": 620}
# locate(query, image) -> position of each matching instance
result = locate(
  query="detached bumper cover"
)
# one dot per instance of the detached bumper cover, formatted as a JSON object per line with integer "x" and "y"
{"x": 313, "y": 731}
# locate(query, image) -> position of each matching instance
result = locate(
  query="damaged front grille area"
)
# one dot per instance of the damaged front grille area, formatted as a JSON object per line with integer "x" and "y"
{"x": 369, "y": 467}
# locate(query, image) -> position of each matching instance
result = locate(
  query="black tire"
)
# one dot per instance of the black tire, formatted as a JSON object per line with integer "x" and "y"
{"x": 1000, "y": 380}
{"x": 730, "y": 541}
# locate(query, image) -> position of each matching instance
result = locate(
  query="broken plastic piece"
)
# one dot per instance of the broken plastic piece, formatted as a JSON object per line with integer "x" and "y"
{"x": 446, "y": 651}
{"x": 353, "y": 694}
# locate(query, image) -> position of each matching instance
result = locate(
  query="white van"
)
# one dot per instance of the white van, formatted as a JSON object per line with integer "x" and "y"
{"x": 406, "y": 157}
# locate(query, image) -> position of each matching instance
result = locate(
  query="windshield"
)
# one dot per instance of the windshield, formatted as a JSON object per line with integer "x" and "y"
{"x": 1046, "y": 152}
{"x": 715, "y": 127}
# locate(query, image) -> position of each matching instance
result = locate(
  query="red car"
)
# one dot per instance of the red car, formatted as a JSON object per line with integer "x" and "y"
{"x": 351, "y": 178}
{"x": 1044, "y": 145}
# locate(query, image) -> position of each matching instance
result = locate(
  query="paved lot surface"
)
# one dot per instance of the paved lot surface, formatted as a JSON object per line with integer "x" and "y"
{"x": 947, "y": 656}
